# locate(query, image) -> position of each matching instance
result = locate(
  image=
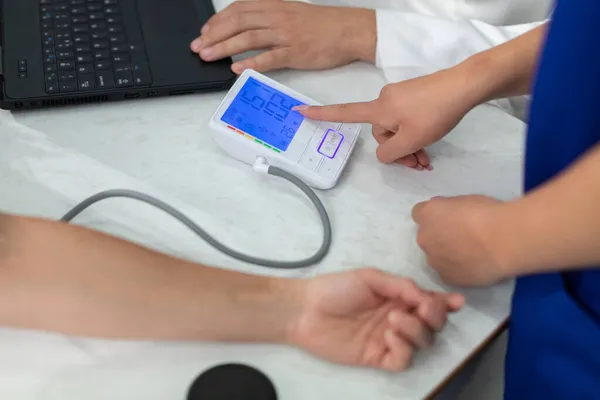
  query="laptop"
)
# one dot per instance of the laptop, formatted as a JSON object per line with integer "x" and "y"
{"x": 63, "y": 52}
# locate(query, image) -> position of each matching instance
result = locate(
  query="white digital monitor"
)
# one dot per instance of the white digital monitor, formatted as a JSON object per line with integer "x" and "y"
{"x": 255, "y": 119}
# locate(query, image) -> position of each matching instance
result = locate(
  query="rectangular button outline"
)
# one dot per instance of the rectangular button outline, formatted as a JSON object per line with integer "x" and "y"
{"x": 323, "y": 141}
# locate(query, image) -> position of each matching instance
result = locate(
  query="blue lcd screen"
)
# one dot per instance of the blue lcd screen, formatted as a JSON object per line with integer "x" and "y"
{"x": 264, "y": 113}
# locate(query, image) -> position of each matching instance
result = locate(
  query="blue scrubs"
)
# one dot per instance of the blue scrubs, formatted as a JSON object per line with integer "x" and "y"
{"x": 554, "y": 345}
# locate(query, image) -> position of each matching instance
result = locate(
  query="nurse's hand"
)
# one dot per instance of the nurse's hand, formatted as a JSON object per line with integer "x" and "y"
{"x": 406, "y": 117}
{"x": 291, "y": 35}
{"x": 461, "y": 238}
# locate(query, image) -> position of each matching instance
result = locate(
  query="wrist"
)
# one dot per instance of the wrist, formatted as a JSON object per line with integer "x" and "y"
{"x": 476, "y": 79}
{"x": 286, "y": 301}
{"x": 360, "y": 34}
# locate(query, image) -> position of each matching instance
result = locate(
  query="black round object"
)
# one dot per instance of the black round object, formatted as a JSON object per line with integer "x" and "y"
{"x": 232, "y": 382}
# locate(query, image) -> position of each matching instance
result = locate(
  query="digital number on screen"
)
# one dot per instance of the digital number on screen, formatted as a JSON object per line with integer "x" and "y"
{"x": 264, "y": 113}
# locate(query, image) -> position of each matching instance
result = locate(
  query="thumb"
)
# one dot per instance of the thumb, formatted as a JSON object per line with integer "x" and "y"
{"x": 349, "y": 112}
{"x": 397, "y": 146}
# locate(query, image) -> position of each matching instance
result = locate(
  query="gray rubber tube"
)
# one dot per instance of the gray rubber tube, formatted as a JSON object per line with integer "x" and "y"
{"x": 314, "y": 259}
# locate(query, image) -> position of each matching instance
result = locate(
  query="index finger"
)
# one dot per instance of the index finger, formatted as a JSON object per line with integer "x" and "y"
{"x": 349, "y": 112}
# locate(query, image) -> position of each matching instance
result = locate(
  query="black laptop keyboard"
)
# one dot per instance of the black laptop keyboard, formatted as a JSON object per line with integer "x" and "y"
{"x": 92, "y": 45}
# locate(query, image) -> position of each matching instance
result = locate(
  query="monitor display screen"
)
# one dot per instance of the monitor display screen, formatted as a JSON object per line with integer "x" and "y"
{"x": 264, "y": 113}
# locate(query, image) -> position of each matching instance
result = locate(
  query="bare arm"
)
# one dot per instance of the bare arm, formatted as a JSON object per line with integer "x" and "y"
{"x": 557, "y": 226}
{"x": 68, "y": 279}
{"x": 503, "y": 71}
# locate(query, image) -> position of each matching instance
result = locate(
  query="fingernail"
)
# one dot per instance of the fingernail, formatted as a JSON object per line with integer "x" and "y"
{"x": 419, "y": 167}
{"x": 206, "y": 53}
{"x": 197, "y": 45}
{"x": 429, "y": 167}
{"x": 205, "y": 29}
{"x": 394, "y": 317}
{"x": 300, "y": 108}
{"x": 237, "y": 68}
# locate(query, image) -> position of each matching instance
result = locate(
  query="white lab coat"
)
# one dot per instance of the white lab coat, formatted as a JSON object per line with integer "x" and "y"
{"x": 416, "y": 37}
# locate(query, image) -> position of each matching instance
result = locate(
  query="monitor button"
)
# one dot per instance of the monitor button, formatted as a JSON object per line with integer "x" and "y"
{"x": 330, "y": 144}
{"x": 310, "y": 160}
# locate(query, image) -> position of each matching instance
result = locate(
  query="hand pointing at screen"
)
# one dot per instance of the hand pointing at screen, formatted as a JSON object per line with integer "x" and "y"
{"x": 406, "y": 117}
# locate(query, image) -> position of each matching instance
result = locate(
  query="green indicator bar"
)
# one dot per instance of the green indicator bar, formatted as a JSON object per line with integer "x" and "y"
{"x": 266, "y": 145}
{"x": 276, "y": 150}
{"x": 258, "y": 141}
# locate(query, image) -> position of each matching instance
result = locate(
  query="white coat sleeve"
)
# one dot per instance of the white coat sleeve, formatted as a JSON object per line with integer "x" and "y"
{"x": 413, "y": 40}
{"x": 408, "y": 42}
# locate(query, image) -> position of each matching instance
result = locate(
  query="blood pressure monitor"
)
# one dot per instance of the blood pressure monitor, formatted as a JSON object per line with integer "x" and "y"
{"x": 255, "y": 120}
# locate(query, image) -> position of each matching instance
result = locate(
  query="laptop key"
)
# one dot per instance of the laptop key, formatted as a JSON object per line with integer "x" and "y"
{"x": 83, "y": 58}
{"x": 81, "y": 38}
{"x": 50, "y": 67}
{"x": 123, "y": 79}
{"x": 64, "y": 46}
{"x": 118, "y": 48}
{"x": 86, "y": 82}
{"x": 51, "y": 77}
{"x": 65, "y": 55}
{"x": 61, "y": 7}
{"x": 66, "y": 65}
{"x": 63, "y": 25}
{"x": 113, "y": 19}
{"x": 62, "y": 35}
{"x": 51, "y": 87}
{"x": 122, "y": 67}
{"x": 115, "y": 29}
{"x": 101, "y": 54}
{"x": 105, "y": 80}
{"x": 110, "y": 2}
{"x": 50, "y": 59}
{"x": 85, "y": 69}
{"x": 117, "y": 39}
{"x": 142, "y": 78}
{"x": 96, "y": 16}
{"x": 136, "y": 48}
{"x": 47, "y": 25}
{"x": 94, "y": 7}
{"x": 76, "y": 2}
{"x": 120, "y": 58}
{"x": 77, "y": 10}
{"x": 98, "y": 25}
{"x": 99, "y": 35}
{"x": 100, "y": 65}
{"x": 83, "y": 48}
{"x": 100, "y": 45}
{"x": 80, "y": 29}
{"x": 111, "y": 10}
{"x": 66, "y": 76}
{"x": 80, "y": 19}
{"x": 68, "y": 86}
{"x": 48, "y": 51}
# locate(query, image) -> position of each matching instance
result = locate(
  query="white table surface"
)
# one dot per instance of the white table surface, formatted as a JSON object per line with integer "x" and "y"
{"x": 51, "y": 159}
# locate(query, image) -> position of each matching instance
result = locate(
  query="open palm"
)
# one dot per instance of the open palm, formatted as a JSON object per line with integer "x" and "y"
{"x": 370, "y": 318}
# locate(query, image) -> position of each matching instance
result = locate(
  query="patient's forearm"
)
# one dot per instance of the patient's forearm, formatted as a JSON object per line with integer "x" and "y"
{"x": 72, "y": 280}
{"x": 503, "y": 71}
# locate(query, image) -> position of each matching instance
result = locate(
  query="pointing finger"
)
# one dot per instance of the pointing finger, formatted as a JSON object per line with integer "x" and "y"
{"x": 350, "y": 112}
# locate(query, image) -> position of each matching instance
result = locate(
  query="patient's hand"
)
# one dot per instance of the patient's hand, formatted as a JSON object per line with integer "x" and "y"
{"x": 369, "y": 318}
{"x": 290, "y": 35}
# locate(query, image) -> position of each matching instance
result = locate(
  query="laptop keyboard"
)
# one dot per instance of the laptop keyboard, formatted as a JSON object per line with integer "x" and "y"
{"x": 92, "y": 45}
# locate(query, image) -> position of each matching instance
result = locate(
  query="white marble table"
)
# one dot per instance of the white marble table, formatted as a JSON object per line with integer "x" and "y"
{"x": 51, "y": 159}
